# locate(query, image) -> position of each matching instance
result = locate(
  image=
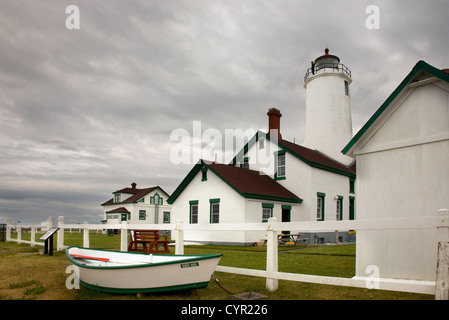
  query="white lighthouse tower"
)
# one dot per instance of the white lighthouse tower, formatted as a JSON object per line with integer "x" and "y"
{"x": 328, "y": 122}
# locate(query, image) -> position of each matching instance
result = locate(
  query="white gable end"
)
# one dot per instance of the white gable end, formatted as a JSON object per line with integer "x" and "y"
{"x": 420, "y": 115}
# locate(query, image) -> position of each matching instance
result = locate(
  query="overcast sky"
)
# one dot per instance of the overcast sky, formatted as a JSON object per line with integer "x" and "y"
{"x": 84, "y": 112}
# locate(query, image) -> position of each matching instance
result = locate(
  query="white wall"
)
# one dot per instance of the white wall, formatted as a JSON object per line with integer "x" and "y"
{"x": 134, "y": 208}
{"x": 403, "y": 171}
{"x": 328, "y": 121}
{"x": 305, "y": 181}
{"x": 232, "y": 208}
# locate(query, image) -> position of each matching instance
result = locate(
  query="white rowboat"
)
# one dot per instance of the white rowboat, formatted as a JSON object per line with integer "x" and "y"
{"x": 126, "y": 272}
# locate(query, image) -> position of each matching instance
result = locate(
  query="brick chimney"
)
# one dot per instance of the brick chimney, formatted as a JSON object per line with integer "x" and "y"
{"x": 274, "y": 121}
{"x": 133, "y": 185}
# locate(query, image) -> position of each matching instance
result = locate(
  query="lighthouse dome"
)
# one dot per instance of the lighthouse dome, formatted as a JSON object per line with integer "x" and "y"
{"x": 327, "y": 63}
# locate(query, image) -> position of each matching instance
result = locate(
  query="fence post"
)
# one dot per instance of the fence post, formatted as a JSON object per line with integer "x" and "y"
{"x": 60, "y": 243}
{"x": 49, "y": 223}
{"x": 179, "y": 242}
{"x": 85, "y": 236}
{"x": 442, "y": 273}
{"x": 33, "y": 235}
{"x": 19, "y": 233}
{"x": 272, "y": 256}
{"x": 8, "y": 230}
{"x": 124, "y": 237}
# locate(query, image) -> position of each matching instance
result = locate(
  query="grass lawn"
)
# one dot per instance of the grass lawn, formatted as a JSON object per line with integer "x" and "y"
{"x": 26, "y": 274}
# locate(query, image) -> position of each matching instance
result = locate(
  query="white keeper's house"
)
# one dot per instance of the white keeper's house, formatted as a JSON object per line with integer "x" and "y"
{"x": 402, "y": 155}
{"x": 134, "y": 205}
{"x": 314, "y": 181}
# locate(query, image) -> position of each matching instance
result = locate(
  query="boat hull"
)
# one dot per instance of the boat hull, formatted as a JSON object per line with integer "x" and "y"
{"x": 149, "y": 273}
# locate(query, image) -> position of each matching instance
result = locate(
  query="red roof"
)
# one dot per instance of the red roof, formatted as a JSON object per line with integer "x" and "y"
{"x": 252, "y": 184}
{"x": 248, "y": 183}
{"x": 316, "y": 158}
{"x": 119, "y": 210}
{"x": 135, "y": 194}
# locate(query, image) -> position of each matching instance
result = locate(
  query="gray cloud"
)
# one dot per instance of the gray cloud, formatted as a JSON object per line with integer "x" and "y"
{"x": 85, "y": 112}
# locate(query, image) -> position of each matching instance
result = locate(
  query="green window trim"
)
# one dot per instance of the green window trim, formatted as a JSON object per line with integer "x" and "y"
{"x": 204, "y": 174}
{"x": 351, "y": 208}
{"x": 159, "y": 198}
{"x": 166, "y": 217}
{"x": 142, "y": 214}
{"x": 192, "y": 205}
{"x": 320, "y": 205}
{"x": 352, "y": 185}
{"x": 267, "y": 211}
{"x": 245, "y": 163}
{"x": 280, "y": 167}
{"x": 339, "y": 206}
{"x": 214, "y": 204}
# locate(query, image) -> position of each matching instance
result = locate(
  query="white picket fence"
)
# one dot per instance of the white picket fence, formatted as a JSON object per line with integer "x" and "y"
{"x": 439, "y": 222}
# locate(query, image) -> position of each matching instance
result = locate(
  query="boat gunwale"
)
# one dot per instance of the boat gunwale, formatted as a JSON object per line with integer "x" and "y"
{"x": 189, "y": 258}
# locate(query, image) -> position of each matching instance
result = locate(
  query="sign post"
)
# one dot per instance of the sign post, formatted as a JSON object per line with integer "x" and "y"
{"x": 48, "y": 237}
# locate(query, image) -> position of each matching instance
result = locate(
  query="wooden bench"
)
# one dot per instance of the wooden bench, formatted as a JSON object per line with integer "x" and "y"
{"x": 150, "y": 237}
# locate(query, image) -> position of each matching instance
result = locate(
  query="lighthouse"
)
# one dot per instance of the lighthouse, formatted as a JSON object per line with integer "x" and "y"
{"x": 328, "y": 121}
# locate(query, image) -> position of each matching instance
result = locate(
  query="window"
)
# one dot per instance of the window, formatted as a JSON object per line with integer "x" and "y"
{"x": 194, "y": 211}
{"x": 347, "y": 88}
{"x": 245, "y": 164}
{"x": 156, "y": 199}
{"x": 142, "y": 214}
{"x": 117, "y": 197}
{"x": 280, "y": 165}
{"x": 320, "y": 206}
{"x": 351, "y": 185}
{"x": 214, "y": 210}
{"x": 339, "y": 208}
{"x": 261, "y": 142}
{"x": 351, "y": 208}
{"x": 166, "y": 217}
{"x": 267, "y": 211}
{"x": 204, "y": 174}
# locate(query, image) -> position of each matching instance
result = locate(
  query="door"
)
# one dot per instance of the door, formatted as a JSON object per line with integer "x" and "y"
{"x": 286, "y": 217}
{"x": 351, "y": 208}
